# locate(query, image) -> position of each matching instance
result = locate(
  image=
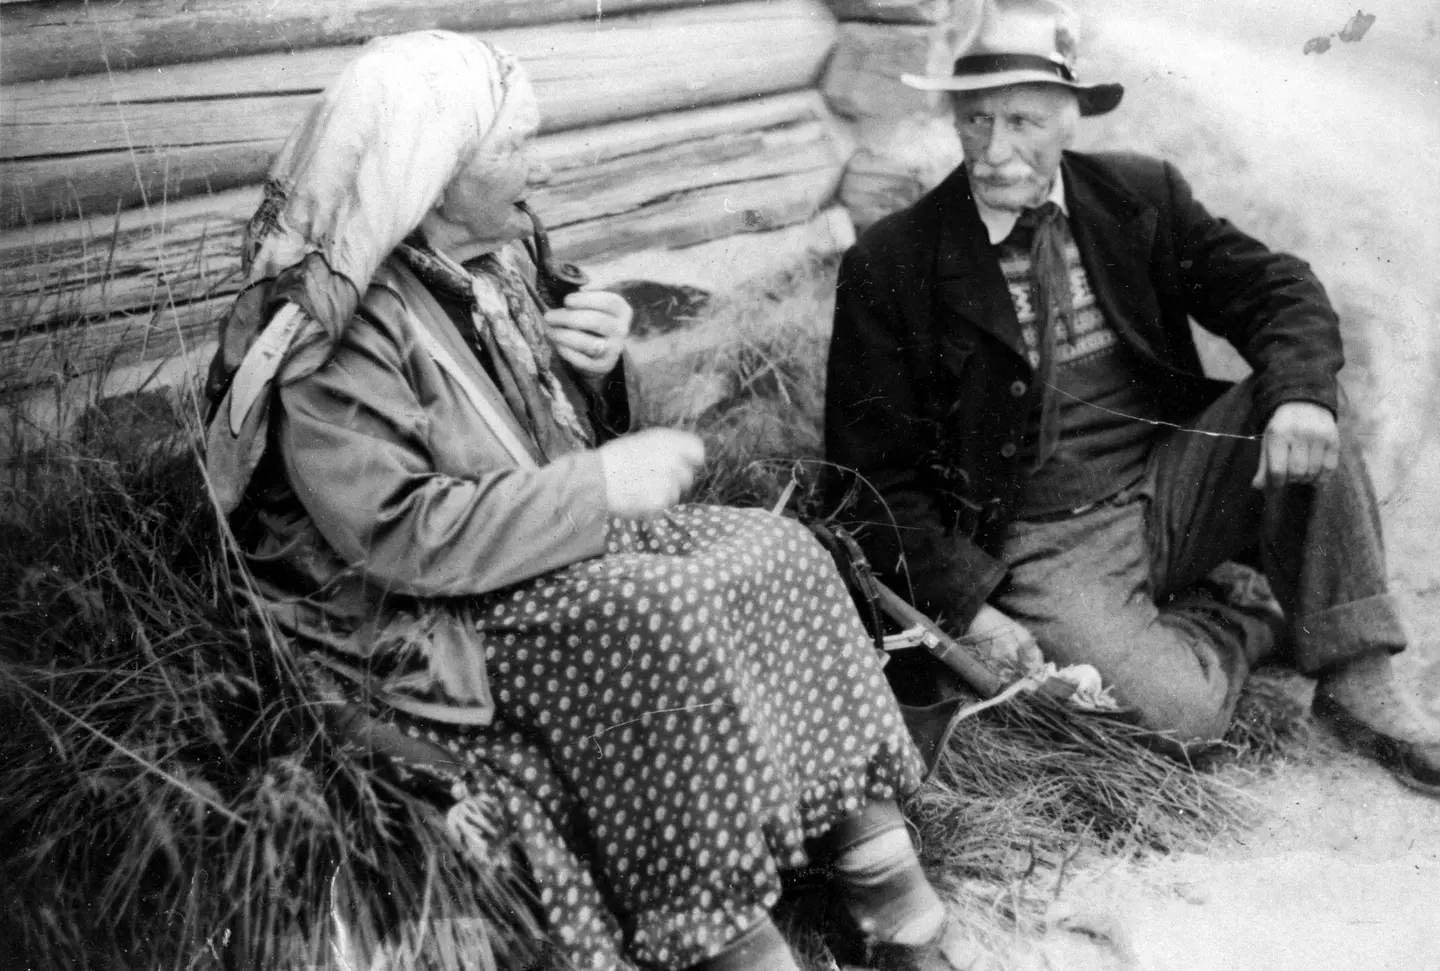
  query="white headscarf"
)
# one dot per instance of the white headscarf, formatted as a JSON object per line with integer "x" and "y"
{"x": 355, "y": 178}
{"x": 386, "y": 139}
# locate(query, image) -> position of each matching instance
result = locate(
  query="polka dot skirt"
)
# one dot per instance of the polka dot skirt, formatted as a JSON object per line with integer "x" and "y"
{"x": 675, "y": 719}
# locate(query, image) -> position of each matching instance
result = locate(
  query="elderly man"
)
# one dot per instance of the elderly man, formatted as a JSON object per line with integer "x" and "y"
{"x": 1013, "y": 376}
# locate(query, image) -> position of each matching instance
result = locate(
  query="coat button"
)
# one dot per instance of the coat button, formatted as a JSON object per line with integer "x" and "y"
{"x": 1018, "y": 389}
{"x": 1008, "y": 450}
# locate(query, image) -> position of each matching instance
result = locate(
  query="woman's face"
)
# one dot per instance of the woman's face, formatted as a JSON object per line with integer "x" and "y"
{"x": 477, "y": 208}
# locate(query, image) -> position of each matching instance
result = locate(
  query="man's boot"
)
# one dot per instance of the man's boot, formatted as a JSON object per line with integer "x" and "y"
{"x": 1363, "y": 702}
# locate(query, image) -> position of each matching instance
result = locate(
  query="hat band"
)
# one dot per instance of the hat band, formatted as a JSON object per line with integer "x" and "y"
{"x": 997, "y": 63}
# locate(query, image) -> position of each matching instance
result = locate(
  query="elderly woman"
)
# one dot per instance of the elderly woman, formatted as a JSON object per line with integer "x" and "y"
{"x": 441, "y": 509}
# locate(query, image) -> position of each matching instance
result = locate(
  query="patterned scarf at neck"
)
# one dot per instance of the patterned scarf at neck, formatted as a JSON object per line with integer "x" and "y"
{"x": 508, "y": 324}
{"x": 1045, "y": 226}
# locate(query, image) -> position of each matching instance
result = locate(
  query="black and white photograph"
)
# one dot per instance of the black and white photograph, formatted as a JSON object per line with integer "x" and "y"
{"x": 719, "y": 485}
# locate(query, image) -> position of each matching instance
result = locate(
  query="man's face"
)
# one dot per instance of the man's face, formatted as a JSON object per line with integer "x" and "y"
{"x": 1013, "y": 138}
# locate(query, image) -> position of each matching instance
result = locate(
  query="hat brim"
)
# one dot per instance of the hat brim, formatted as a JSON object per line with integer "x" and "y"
{"x": 1095, "y": 99}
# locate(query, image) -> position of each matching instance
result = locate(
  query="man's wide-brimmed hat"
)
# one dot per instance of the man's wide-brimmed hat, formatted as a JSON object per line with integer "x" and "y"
{"x": 1021, "y": 42}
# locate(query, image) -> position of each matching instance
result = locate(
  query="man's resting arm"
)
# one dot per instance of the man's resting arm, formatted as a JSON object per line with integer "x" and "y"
{"x": 1269, "y": 305}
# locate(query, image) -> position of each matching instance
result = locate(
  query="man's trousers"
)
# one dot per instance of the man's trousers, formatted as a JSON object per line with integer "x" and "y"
{"x": 1115, "y": 586}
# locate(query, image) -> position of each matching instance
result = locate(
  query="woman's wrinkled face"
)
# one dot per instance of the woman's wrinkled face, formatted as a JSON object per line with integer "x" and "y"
{"x": 478, "y": 207}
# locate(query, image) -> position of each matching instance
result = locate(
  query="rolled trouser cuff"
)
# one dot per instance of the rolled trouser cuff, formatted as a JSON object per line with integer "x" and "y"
{"x": 1333, "y": 637}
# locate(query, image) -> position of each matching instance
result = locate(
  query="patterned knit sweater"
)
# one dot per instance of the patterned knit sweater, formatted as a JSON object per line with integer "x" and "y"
{"x": 1104, "y": 402}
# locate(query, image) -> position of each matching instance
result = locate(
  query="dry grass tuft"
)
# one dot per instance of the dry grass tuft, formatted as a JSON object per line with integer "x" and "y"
{"x": 1026, "y": 788}
{"x": 1270, "y": 725}
{"x": 168, "y": 798}
{"x": 755, "y": 390}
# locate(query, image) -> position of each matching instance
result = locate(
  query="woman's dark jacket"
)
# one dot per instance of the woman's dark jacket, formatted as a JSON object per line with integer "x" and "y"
{"x": 928, "y": 389}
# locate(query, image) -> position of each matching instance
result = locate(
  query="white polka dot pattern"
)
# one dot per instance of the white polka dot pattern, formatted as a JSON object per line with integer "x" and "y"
{"x": 676, "y": 718}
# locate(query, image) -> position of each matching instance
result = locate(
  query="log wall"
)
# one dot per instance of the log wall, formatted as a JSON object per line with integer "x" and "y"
{"x": 89, "y": 143}
{"x": 64, "y": 38}
{"x": 898, "y": 11}
{"x": 906, "y": 140}
{"x": 124, "y": 190}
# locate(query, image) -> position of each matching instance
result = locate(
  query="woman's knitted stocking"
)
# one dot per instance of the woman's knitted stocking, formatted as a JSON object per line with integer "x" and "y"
{"x": 884, "y": 888}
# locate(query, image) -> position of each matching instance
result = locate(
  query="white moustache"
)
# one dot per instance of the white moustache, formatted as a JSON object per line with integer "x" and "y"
{"x": 1006, "y": 177}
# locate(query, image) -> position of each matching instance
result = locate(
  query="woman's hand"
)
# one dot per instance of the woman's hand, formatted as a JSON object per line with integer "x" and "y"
{"x": 589, "y": 332}
{"x": 647, "y": 472}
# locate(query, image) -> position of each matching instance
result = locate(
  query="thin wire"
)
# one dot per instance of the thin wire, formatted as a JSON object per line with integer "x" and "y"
{"x": 1151, "y": 421}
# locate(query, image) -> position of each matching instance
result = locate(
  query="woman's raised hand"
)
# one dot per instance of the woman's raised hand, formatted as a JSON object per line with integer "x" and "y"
{"x": 589, "y": 331}
{"x": 647, "y": 472}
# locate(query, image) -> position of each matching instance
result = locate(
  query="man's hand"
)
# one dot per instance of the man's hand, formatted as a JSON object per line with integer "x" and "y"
{"x": 1005, "y": 637}
{"x": 647, "y": 472}
{"x": 589, "y": 332}
{"x": 1301, "y": 444}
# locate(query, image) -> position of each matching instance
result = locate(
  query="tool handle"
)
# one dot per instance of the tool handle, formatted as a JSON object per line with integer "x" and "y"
{"x": 949, "y": 651}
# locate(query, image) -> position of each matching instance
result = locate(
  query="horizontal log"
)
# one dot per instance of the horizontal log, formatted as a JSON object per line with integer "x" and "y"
{"x": 67, "y": 146}
{"x": 862, "y": 79}
{"x": 73, "y": 37}
{"x": 710, "y": 212}
{"x": 897, "y": 163}
{"x": 901, "y": 11}
{"x": 55, "y": 358}
{"x": 668, "y": 181}
{"x": 722, "y": 265}
{"x": 48, "y": 189}
{"x": 634, "y": 166}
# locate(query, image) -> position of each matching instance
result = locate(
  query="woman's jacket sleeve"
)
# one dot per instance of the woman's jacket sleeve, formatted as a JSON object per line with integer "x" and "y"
{"x": 356, "y": 441}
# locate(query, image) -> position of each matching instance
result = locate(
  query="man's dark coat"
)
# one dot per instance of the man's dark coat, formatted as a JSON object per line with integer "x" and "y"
{"x": 929, "y": 390}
